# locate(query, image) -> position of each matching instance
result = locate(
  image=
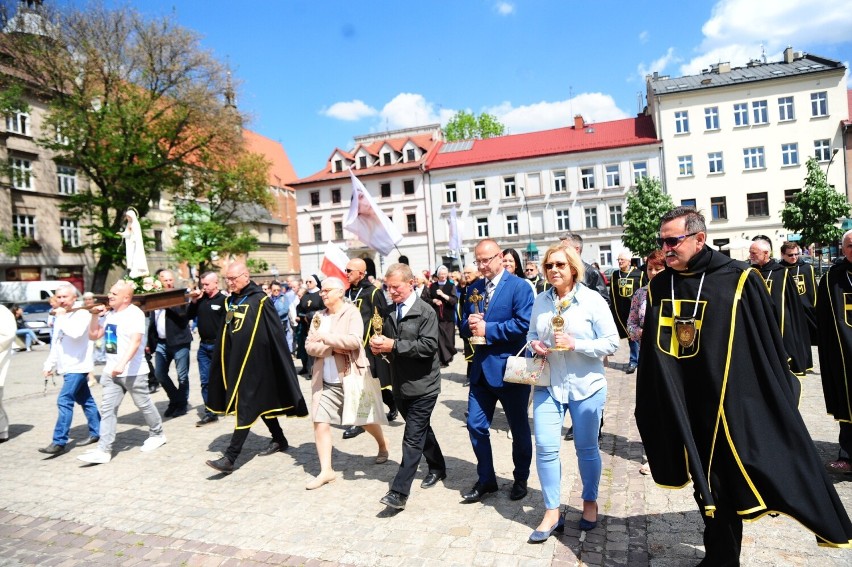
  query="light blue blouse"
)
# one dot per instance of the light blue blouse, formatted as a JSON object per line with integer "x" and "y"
{"x": 577, "y": 374}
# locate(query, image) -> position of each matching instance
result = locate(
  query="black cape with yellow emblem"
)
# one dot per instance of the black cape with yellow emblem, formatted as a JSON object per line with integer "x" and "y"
{"x": 790, "y": 314}
{"x": 803, "y": 276}
{"x": 722, "y": 412}
{"x": 834, "y": 315}
{"x": 252, "y": 372}
{"x": 621, "y": 290}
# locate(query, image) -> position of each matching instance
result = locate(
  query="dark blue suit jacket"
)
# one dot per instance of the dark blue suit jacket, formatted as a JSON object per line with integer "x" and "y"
{"x": 507, "y": 322}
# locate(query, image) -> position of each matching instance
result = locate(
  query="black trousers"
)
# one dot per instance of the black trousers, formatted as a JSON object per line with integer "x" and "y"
{"x": 239, "y": 437}
{"x": 845, "y": 440}
{"x": 723, "y": 535}
{"x": 418, "y": 440}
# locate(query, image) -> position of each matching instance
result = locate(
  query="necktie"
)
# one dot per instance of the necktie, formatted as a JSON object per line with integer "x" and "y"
{"x": 489, "y": 290}
{"x": 398, "y": 312}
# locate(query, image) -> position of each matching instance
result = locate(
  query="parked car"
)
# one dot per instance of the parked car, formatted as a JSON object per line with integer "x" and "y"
{"x": 35, "y": 316}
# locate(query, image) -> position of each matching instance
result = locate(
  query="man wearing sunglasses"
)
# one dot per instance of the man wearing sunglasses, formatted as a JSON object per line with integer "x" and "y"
{"x": 803, "y": 277}
{"x": 716, "y": 401}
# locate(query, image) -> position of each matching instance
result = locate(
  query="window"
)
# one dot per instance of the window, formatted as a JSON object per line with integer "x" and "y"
{"x": 819, "y": 104}
{"x": 822, "y": 150}
{"x": 315, "y": 198}
{"x": 335, "y": 195}
{"x": 408, "y": 187}
{"x": 362, "y": 162}
{"x": 587, "y": 177}
{"x": 711, "y": 118}
{"x": 338, "y": 230}
{"x": 613, "y": 176}
{"x": 759, "y": 111}
{"x": 758, "y": 204}
{"x": 70, "y": 232}
{"x": 714, "y": 162}
{"x": 509, "y": 186}
{"x": 479, "y": 193}
{"x": 18, "y": 122}
{"x": 158, "y": 241}
{"x": 741, "y": 114}
{"x": 790, "y": 154}
{"x": 684, "y": 166}
{"x": 384, "y": 189}
{"x": 511, "y": 225}
{"x": 559, "y": 182}
{"x": 753, "y": 158}
{"x": 591, "y": 214}
{"x": 450, "y": 195}
{"x": 605, "y": 255}
{"x": 66, "y": 180}
{"x": 640, "y": 170}
{"x": 21, "y": 174}
{"x": 409, "y": 154}
{"x": 688, "y": 202}
{"x": 482, "y": 227}
{"x": 682, "y": 122}
{"x": 317, "y": 232}
{"x": 411, "y": 222}
{"x": 719, "y": 208}
{"x": 338, "y": 165}
{"x": 616, "y": 216}
{"x": 562, "y": 223}
{"x": 785, "y": 109}
{"x": 386, "y": 158}
{"x": 24, "y": 226}
{"x": 61, "y": 138}
{"x": 790, "y": 194}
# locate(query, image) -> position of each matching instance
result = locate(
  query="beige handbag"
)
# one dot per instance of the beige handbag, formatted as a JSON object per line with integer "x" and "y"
{"x": 533, "y": 371}
{"x": 362, "y": 397}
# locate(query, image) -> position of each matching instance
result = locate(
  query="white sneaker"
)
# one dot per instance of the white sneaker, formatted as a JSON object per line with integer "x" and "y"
{"x": 96, "y": 456}
{"x": 152, "y": 443}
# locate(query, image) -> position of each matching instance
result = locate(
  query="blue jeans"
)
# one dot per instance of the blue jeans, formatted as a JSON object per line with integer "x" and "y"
{"x": 75, "y": 389}
{"x": 634, "y": 352}
{"x": 163, "y": 357}
{"x": 548, "y": 415}
{"x": 205, "y": 358}
{"x": 29, "y": 336}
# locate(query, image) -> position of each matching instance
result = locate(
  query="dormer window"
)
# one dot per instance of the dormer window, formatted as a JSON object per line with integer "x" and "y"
{"x": 362, "y": 162}
{"x": 410, "y": 154}
{"x": 386, "y": 158}
{"x": 338, "y": 165}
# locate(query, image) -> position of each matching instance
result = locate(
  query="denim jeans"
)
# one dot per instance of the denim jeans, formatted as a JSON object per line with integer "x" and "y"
{"x": 163, "y": 357}
{"x": 634, "y": 352}
{"x": 75, "y": 389}
{"x": 205, "y": 358}
{"x": 548, "y": 415}
{"x": 29, "y": 336}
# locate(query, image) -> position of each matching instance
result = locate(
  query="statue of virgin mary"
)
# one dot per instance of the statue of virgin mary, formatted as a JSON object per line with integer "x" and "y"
{"x": 137, "y": 264}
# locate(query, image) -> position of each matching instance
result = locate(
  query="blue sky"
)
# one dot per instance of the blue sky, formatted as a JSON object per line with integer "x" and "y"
{"x": 313, "y": 74}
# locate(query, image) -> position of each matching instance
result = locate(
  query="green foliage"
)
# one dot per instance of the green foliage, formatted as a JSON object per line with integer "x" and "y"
{"x": 815, "y": 211}
{"x": 12, "y": 245}
{"x": 465, "y": 126}
{"x": 646, "y": 204}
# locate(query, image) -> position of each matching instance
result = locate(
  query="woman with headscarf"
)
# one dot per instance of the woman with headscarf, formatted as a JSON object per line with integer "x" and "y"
{"x": 441, "y": 295}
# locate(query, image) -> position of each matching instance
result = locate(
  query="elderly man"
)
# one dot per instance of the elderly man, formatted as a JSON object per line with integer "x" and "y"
{"x": 71, "y": 356}
{"x": 441, "y": 294}
{"x": 125, "y": 370}
{"x": 713, "y": 373}
{"x": 503, "y": 318}
{"x": 625, "y": 282}
{"x": 253, "y": 374}
{"x": 803, "y": 276}
{"x": 208, "y": 306}
{"x": 169, "y": 339}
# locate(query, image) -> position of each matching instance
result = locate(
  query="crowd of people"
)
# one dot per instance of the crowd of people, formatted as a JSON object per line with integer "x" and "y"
{"x": 719, "y": 346}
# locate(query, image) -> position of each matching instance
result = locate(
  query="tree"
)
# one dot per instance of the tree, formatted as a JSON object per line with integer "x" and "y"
{"x": 815, "y": 211}
{"x": 646, "y": 205}
{"x": 133, "y": 105}
{"x": 465, "y": 126}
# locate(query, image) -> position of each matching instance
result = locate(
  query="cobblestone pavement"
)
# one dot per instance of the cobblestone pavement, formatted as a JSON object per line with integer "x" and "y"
{"x": 167, "y": 508}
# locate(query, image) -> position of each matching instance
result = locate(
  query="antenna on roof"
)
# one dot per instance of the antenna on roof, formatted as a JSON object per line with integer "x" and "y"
{"x": 763, "y": 53}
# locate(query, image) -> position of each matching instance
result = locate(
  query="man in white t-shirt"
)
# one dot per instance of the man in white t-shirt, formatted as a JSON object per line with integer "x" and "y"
{"x": 125, "y": 370}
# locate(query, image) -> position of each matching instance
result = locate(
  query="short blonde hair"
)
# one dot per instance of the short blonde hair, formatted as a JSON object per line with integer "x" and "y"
{"x": 578, "y": 271}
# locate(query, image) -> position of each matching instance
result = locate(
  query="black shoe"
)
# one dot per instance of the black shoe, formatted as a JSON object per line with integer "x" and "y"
{"x": 479, "y": 490}
{"x": 600, "y": 430}
{"x": 303, "y": 372}
{"x": 170, "y": 411}
{"x": 274, "y": 447}
{"x": 394, "y": 500}
{"x": 519, "y": 490}
{"x": 88, "y": 441}
{"x": 569, "y": 435}
{"x": 631, "y": 368}
{"x": 52, "y": 449}
{"x": 353, "y": 431}
{"x": 223, "y": 465}
{"x": 393, "y": 414}
{"x": 466, "y": 384}
{"x": 180, "y": 411}
{"x": 208, "y": 418}
{"x": 432, "y": 479}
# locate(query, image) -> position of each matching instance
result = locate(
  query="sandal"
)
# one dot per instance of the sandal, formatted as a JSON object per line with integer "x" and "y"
{"x": 382, "y": 457}
{"x": 645, "y": 469}
{"x": 841, "y": 466}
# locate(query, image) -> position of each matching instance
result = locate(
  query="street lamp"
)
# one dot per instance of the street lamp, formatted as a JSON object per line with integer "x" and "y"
{"x": 833, "y": 153}
{"x": 532, "y": 250}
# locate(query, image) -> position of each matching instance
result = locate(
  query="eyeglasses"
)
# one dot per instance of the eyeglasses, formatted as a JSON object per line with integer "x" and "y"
{"x": 488, "y": 261}
{"x": 323, "y": 290}
{"x": 235, "y": 278}
{"x": 673, "y": 241}
{"x": 792, "y": 254}
{"x": 557, "y": 265}
{"x": 529, "y": 269}
{"x": 348, "y": 271}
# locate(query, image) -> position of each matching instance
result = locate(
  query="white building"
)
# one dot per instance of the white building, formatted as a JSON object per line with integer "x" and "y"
{"x": 735, "y": 140}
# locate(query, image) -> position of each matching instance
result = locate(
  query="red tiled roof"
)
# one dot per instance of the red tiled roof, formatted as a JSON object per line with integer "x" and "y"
{"x": 281, "y": 171}
{"x": 604, "y": 135}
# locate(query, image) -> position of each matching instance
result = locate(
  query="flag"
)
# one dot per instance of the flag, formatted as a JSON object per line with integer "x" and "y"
{"x": 367, "y": 222}
{"x": 334, "y": 262}
{"x": 455, "y": 241}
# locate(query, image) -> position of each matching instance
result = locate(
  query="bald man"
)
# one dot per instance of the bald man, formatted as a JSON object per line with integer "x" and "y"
{"x": 625, "y": 282}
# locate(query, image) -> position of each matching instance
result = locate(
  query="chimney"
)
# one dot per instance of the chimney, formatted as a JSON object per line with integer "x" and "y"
{"x": 788, "y": 55}
{"x": 725, "y": 67}
{"x": 578, "y": 122}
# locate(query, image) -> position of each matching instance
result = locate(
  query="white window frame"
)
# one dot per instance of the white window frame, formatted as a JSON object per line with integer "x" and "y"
{"x": 819, "y": 104}
{"x": 590, "y": 214}
{"x": 790, "y": 154}
{"x": 510, "y": 189}
{"x": 24, "y": 226}
{"x": 612, "y": 175}
{"x": 18, "y": 122}
{"x": 760, "y": 112}
{"x": 66, "y": 180}
{"x": 587, "y": 178}
{"x": 786, "y": 109}
{"x": 616, "y": 215}
{"x": 563, "y": 220}
{"x": 754, "y": 158}
{"x": 451, "y": 195}
{"x": 681, "y": 122}
{"x": 512, "y": 228}
{"x": 69, "y": 231}
{"x": 684, "y": 166}
{"x": 741, "y": 114}
{"x": 715, "y": 163}
{"x": 605, "y": 255}
{"x": 822, "y": 150}
{"x": 482, "y": 227}
{"x": 479, "y": 187}
{"x": 21, "y": 173}
{"x": 639, "y": 171}
{"x": 411, "y": 223}
{"x": 711, "y": 118}
{"x": 560, "y": 183}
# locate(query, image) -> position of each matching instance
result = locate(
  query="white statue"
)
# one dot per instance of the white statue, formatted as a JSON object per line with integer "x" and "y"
{"x": 137, "y": 265}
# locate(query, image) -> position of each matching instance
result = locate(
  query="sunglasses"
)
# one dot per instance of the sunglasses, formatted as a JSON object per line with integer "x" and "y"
{"x": 673, "y": 241}
{"x": 557, "y": 265}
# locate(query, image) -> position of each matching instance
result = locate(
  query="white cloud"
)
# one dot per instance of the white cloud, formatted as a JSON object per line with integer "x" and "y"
{"x": 659, "y": 65}
{"x": 644, "y": 36}
{"x": 409, "y": 109}
{"x": 505, "y": 8}
{"x": 594, "y": 107}
{"x": 349, "y": 111}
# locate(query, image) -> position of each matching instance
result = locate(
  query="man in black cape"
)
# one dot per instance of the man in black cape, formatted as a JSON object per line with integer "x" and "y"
{"x": 803, "y": 276}
{"x": 625, "y": 281}
{"x": 788, "y": 307}
{"x": 252, "y": 375}
{"x": 834, "y": 316}
{"x": 716, "y": 402}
